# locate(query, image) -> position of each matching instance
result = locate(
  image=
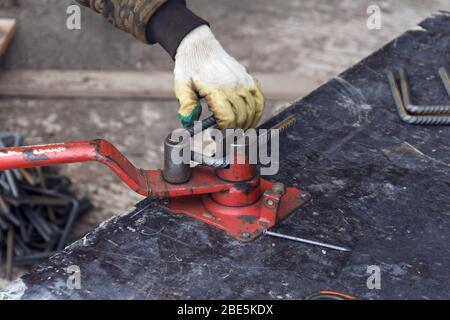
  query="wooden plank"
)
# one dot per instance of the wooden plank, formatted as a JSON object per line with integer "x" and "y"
{"x": 7, "y": 31}
{"x": 124, "y": 84}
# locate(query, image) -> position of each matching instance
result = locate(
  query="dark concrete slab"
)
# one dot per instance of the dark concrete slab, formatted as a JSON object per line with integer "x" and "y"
{"x": 379, "y": 186}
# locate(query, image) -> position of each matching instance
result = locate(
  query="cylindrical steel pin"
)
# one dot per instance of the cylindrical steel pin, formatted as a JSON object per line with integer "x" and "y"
{"x": 315, "y": 243}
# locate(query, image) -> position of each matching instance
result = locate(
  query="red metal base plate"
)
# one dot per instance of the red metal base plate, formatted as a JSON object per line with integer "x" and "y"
{"x": 244, "y": 223}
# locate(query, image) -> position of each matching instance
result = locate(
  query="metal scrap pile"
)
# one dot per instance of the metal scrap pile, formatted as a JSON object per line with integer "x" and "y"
{"x": 37, "y": 211}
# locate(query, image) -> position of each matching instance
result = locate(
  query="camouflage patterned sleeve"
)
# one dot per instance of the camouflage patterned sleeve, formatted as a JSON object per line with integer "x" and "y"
{"x": 131, "y": 16}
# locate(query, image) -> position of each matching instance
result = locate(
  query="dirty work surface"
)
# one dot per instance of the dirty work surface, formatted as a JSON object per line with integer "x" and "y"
{"x": 379, "y": 186}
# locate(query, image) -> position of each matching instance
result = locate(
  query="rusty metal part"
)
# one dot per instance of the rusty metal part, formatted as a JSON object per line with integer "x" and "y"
{"x": 445, "y": 79}
{"x": 28, "y": 177}
{"x": 225, "y": 161}
{"x": 211, "y": 121}
{"x": 415, "y": 109}
{"x": 286, "y": 123}
{"x": 405, "y": 116}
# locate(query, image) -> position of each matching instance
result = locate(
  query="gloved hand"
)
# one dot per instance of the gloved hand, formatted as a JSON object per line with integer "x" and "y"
{"x": 203, "y": 69}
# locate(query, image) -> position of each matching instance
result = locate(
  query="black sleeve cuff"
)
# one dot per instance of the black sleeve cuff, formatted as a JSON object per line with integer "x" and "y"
{"x": 170, "y": 24}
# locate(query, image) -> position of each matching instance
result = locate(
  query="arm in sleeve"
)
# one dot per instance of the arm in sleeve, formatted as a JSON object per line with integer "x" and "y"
{"x": 131, "y": 16}
{"x": 165, "y": 22}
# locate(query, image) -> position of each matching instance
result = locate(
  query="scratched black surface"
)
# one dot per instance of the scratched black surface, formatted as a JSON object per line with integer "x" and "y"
{"x": 379, "y": 186}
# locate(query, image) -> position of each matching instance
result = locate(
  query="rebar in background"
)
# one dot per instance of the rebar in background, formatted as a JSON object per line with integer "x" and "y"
{"x": 415, "y": 109}
{"x": 37, "y": 211}
{"x": 412, "y": 114}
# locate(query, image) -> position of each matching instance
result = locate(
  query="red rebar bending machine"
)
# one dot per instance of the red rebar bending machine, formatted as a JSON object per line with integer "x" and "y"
{"x": 231, "y": 196}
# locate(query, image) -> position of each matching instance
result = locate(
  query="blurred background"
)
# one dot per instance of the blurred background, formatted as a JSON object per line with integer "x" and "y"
{"x": 309, "y": 40}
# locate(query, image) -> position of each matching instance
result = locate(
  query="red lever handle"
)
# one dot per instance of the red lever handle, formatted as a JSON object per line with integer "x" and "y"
{"x": 144, "y": 182}
{"x": 72, "y": 152}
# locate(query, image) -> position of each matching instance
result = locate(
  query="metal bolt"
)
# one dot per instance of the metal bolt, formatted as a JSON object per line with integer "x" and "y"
{"x": 278, "y": 188}
{"x": 246, "y": 235}
{"x": 269, "y": 202}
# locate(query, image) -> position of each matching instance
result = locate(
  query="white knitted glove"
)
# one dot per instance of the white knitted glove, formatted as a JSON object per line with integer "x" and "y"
{"x": 203, "y": 69}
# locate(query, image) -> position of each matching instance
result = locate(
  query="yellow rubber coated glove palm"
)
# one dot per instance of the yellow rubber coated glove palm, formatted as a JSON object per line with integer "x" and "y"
{"x": 203, "y": 69}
